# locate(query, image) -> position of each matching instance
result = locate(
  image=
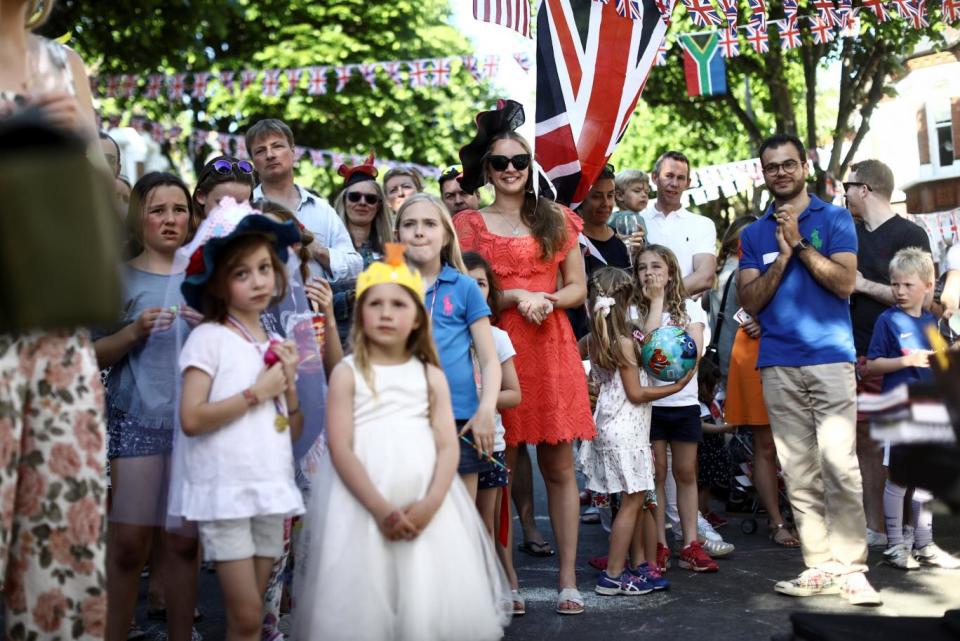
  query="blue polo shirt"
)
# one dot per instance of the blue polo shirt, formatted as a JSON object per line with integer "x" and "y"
{"x": 804, "y": 323}
{"x": 454, "y": 303}
{"x": 897, "y": 334}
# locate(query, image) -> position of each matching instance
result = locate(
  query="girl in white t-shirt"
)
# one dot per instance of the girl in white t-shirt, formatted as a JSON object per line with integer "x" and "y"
{"x": 492, "y": 498}
{"x": 240, "y": 410}
{"x": 661, "y": 299}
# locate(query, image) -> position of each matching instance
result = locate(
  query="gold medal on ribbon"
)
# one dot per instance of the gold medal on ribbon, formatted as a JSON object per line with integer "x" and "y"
{"x": 281, "y": 423}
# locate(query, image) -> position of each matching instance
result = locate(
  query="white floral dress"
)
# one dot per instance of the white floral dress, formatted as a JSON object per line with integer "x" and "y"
{"x": 619, "y": 458}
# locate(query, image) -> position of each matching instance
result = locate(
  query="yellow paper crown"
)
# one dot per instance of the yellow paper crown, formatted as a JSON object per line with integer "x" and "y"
{"x": 392, "y": 269}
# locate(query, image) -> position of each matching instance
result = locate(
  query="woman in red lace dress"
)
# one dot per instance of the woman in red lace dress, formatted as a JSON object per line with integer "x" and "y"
{"x": 529, "y": 241}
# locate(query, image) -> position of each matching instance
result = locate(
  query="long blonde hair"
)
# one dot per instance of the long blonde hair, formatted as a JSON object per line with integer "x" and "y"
{"x": 450, "y": 254}
{"x": 380, "y": 230}
{"x": 419, "y": 342}
{"x": 674, "y": 293}
{"x": 607, "y": 327}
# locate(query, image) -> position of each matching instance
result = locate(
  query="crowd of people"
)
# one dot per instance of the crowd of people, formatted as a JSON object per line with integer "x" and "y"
{"x": 349, "y": 469}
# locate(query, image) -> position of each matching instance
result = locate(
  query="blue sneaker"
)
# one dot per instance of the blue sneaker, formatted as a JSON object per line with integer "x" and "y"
{"x": 627, "y": 584}
{"x": 653, "y": 577}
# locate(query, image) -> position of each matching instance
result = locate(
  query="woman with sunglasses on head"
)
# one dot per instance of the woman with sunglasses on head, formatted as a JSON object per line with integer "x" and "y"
{"x": 362, "y": 206}
{"x": 530, "y": 241}
{"x": 221, "y": 177}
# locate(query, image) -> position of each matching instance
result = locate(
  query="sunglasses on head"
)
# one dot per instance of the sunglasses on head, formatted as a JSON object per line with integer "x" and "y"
{"x": 500, "y": 163}
{"x": 356, "y": 196}
{"x": 224, "y": 167}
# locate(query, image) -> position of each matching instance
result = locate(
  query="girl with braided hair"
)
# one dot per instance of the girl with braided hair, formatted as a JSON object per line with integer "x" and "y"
{"x": 619, "y": 457}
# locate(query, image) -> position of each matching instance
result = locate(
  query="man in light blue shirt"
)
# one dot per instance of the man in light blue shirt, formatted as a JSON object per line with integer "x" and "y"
{"x": 270, "y": 144}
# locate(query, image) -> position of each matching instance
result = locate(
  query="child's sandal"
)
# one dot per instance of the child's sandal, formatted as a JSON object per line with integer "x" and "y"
{"x": 570, "y": 595}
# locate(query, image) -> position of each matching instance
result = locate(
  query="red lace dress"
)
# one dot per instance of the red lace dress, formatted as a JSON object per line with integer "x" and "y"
{"x": 555, "y": 404}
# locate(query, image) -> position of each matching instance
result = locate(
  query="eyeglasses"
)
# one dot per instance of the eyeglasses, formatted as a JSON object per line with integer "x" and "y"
{"x": 356, "y": 196}
{"x": 224, "y": 167}
{"x": 500, "y": 163}
{"x": 848, "y": 185}
{"x": 789, "y": 167}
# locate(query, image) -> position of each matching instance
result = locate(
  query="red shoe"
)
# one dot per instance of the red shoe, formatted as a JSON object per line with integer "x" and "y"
{"x": 663, "y": 558}
{"x": 715, "y": 519}
{"x": 599, "y": 562}
{"x": 694, "y": 558}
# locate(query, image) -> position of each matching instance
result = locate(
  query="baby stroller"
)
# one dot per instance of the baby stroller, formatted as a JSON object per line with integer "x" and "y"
{"x": 743, "y": 495}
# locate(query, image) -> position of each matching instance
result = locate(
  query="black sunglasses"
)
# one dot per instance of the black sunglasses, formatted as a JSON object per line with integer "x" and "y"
{"x": 848, "y": 185}
{"x": 356, "y": 196}
{"x": 500, "y": 163}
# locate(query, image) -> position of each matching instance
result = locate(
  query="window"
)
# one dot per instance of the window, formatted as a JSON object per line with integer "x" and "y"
{"x": 944, "y": 135}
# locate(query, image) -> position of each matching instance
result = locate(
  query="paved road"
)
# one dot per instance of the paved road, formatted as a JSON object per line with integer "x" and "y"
{"x": 736, "y": 603}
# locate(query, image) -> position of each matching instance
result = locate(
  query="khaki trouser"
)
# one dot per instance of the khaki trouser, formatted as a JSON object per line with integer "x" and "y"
{"x": 813, "y": 413}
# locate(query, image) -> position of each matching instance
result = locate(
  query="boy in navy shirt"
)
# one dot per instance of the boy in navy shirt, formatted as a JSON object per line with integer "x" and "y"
{"x": 900, "y": 351}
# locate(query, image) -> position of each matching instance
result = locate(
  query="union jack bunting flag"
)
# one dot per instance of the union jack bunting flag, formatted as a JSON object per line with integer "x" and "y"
{"x": 441, "y": 72}
{"x": 878, "y": 9}
{"x": 757, "y": 37}
{"x": 471, "y": 64}
{"x": 247, "y": 76}
{"x": 661, "y": 60}
{"x": 271, "y": 82}
{"x": 316, "y": 157}
{"x": 369, "y": 73}
{"x": 512, "y": 14}
{"x": 951, "y": 10}
{"x": 154, "y": 84}
{"x": 729, "y": 43}
{"x": 789, "y": 34}
{"x": 418, "y": 73}
{"x": 491, "y": 66}
{"x": 113, "y": 84}
{"x": 177, "y": 85}
{"x": 790, "y": 9}
{"x": 226, "y": 80}
{"x": 665, "y": 7}
{"x": 591, "y": 68}
{"x": 293, "y": 79}
{"x": 918, "y": 15}
{"x": 826, "y": 11}
{"x": 758, "y": 14}
{"x": 129, "y": 84}
{"x": 200, "y": 80}
{"x": 317, "y": 81}
{"x": 702, "y": 12}
{"x": 523, "y": 59}
{"x": 343, "y": 76}
{"x": 821, "y": 31}
{"x": 393, "y": 70}
{"x": 843, "y": 14}
{"x": 629, "y": 9}
{"x": 729, "y": 12}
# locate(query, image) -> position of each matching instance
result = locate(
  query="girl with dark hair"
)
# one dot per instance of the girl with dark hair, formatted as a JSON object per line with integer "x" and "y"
{"x": 221, "y": 177}
{"x": 140, "y": 409}
{"x": 531, "y": 242}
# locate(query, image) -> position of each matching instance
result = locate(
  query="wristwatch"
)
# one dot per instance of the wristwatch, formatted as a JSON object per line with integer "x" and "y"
{"x": 801, "y": 245}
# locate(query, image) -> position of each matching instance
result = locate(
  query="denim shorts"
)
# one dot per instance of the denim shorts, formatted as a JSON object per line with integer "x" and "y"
{"x": 470, "y": 462}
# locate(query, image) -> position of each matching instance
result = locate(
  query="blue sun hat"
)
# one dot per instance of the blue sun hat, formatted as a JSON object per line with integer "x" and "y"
{"x": 203, "y": 261}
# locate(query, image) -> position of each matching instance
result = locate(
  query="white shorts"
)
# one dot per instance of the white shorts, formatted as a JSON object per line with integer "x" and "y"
{"x": 235, "y": 539}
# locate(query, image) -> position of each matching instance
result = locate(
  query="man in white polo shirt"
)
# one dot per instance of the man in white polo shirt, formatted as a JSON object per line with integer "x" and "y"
{"x": 693, "y": 238}
{"x": 270, "y": 145}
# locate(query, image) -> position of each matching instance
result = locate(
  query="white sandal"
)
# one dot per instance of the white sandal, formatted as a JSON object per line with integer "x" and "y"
{"x": 519, "y": 605}
{"x": 571, "y": 595}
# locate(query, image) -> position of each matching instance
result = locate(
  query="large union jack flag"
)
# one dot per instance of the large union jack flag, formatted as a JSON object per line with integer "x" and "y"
{"x": 591, "y": 67}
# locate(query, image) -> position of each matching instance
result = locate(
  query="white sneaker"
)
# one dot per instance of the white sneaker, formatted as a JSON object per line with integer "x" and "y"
{"x": 931, "y": 554}
{"x": 857, "y": 590}
{"x": 899, "y": 557}
{"x": 717, "y": 549}
{"x": 705, "y": 531}
{"x": 876, "y": 539}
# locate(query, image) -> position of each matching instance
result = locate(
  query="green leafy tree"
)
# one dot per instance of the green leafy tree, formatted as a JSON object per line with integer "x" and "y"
{"x": 419, "y": 125}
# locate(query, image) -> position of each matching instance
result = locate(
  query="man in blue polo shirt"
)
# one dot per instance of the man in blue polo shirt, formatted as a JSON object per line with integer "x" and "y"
{"x": 797, "y": 271}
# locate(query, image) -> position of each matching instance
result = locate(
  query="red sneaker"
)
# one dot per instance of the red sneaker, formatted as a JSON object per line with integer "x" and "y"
{"x": 694, "y": 558}
{"x": 663, "y": 558}
{"x": 715, "y": 519}
{"x": 599, "y": 562}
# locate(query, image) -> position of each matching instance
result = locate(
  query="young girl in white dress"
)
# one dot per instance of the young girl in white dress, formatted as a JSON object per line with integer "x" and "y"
{"x": 619, "y": 459}
{"x": 397, "y": 550}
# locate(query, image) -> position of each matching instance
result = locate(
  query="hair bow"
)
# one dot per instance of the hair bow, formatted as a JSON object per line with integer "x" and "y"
{"x": 602, "y": 305}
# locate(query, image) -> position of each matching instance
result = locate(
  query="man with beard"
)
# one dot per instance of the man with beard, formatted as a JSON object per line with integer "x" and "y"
{"x": 797, "y": 272}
